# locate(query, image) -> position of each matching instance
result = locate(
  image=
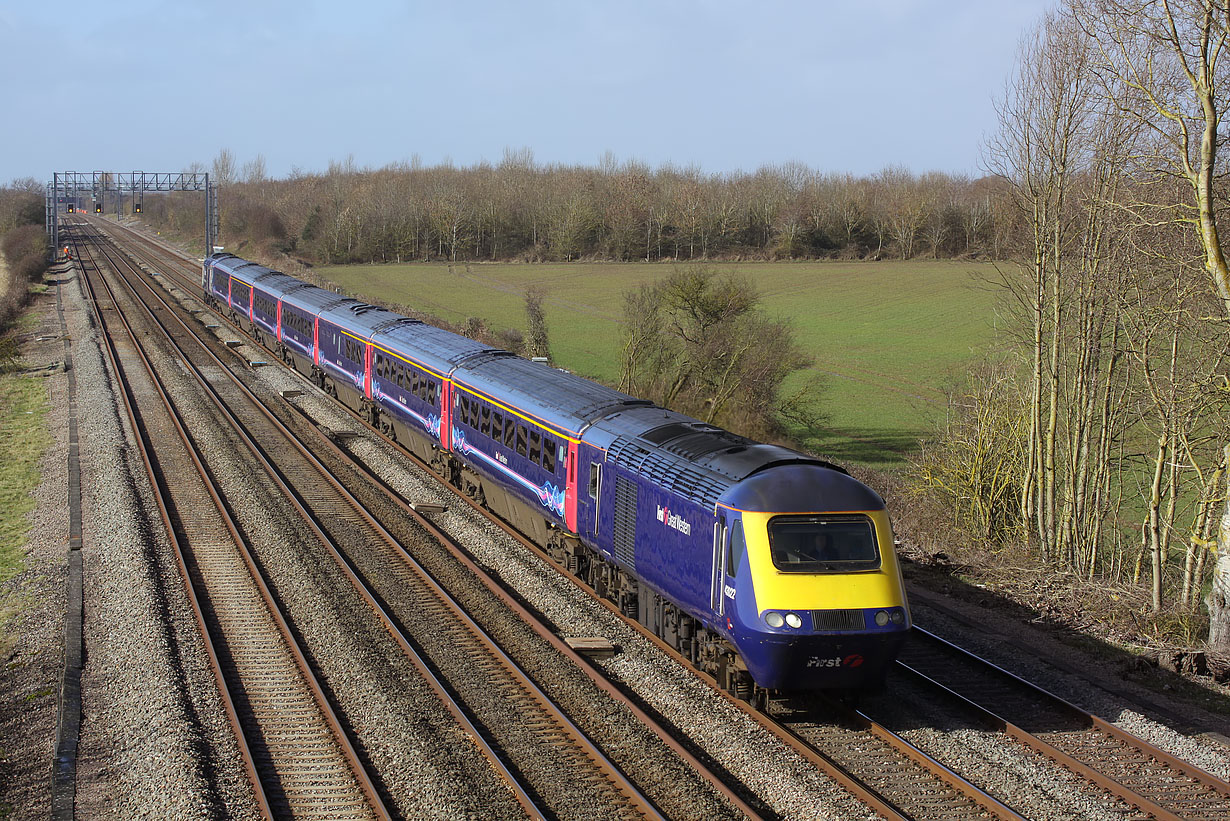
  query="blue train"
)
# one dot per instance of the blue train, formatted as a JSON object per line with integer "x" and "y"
{"x": 769, "y": 569}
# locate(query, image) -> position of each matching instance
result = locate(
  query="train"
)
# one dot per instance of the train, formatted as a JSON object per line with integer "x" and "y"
{"x": 769, "y": 569}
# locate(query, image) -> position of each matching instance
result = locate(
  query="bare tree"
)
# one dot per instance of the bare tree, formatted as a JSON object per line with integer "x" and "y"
{"x": 1037, "y": 152}
{"x": 1164, "y": 63}
{"x": 538, "y": 342}
{"x": 254, "y": 170}
{"x": 224, "y": 168}
{"x": 694, "y": 341}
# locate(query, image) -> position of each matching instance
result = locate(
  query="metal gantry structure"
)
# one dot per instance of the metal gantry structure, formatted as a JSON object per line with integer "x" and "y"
{"x": 67, "y": 187}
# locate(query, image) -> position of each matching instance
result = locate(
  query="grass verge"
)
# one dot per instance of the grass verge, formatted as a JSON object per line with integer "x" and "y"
{"x": 23, "y": 440}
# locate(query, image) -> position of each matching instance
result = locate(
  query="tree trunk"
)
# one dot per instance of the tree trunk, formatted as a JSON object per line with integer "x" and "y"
{"x": 1219, "y": 597}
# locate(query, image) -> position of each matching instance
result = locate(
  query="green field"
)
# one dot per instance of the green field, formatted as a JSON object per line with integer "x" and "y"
{"x": 888, "y": 337}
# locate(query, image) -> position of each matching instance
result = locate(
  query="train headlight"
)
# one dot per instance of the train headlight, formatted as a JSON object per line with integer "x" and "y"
{"x": 774, "y": 620}
{"x": 898, "y": 617}
{"x": 793, "y": 620}
{"x": 882, "y": 618}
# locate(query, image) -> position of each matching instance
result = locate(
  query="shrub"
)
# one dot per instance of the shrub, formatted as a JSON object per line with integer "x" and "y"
{"x": 28, "y": 240}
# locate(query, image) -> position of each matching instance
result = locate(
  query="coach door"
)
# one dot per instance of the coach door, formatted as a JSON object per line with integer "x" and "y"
{"x": 716, "y": 599}
{"x": 595, "y": 497}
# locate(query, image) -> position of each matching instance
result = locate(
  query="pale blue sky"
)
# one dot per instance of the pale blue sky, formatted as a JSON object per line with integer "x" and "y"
{"x": 840, "y": 85}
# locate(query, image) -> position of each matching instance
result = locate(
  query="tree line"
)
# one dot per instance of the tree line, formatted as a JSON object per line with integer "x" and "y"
{"x": 518, "y": 209}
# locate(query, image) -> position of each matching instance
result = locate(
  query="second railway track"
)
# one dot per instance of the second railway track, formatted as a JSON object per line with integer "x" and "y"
{"x": 300, "y": 762}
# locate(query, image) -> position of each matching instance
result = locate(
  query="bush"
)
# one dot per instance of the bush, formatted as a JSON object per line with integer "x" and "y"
{"x": 28, "y": 240}
{"x": 8, "y": 350}
{"x": 25, "y": 251}
{"x": 29, "y": 268}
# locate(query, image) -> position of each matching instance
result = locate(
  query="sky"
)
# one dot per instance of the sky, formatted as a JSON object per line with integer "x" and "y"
{"x": 838, "y": 85}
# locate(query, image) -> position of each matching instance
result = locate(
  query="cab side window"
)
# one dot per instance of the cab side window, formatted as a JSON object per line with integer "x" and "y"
{"x": 736, "y": 550}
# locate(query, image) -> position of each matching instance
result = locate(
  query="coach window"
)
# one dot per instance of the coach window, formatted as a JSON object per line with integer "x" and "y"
{"x": 510, "y": 432}
{"x": 464, "y": 415}
{"x": 434, "y": 392}
{"x": 535, "y": 447}
{"x": 594, "y": 469}
{"x": 548, "y": 453}
{"x": 476, "y": 409}
{"x": 497, "y": 426}
{"x": 520, "y": 440}
{"x": 484, "y": 422}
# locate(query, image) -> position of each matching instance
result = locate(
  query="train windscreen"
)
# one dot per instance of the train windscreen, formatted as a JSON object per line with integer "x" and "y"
{"x": 823, "y": 544}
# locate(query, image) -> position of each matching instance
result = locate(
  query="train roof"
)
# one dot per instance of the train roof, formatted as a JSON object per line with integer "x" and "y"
{"x": 701, "y": 462}
{"x": 434, "y": 347}
{"x": 360, "y": 318}
{"x": 277, "y": 283}
{"x": 561, "y": 399}
{"x": 801, "y": 487}
{"x": 240, "y": 268}
{"x": 312, "y": 299}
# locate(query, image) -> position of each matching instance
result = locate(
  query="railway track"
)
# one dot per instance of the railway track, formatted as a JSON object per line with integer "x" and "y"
{"x": 299, "y": 760}
{"x": 1142, "y": 776}
{"x": 899, "y": 780}
{"x": 529, "y": 739}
